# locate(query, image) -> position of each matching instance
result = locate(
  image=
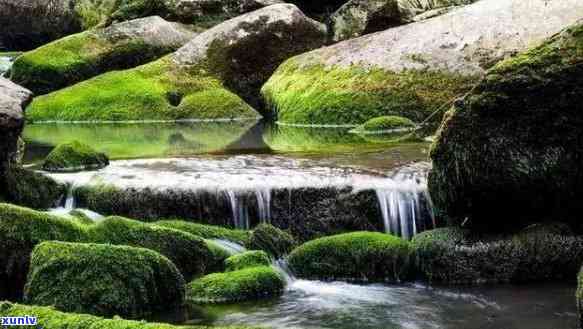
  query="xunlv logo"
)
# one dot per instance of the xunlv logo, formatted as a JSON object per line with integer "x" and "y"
{"x": 8, "y": 321}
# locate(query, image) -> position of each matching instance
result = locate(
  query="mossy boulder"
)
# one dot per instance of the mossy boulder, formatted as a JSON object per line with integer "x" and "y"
{"x": 48, "y": 317}
{"x": 82, "y": 56}
{"x": 212, "y": 77}
{"x": 21, "y": 229}
{"x": 385, "y": 125}
{"x": 272, "y": 240}
{"x": 358, "y": 256}
{"x": 103, "y": 280}
{"x": 207, "y": 231}
{"x": 247, "y": 284}
{"x": 412, "y": 70}
{"x": 217, "y": 258}
{"x": 515, "y": 142}
{"x": 456, "y": 256}
{"x": 253, "y": 258}
{"x": 74, "y": 156}
{"x": 188, "y": 252}
{"x": 32, "y": 189}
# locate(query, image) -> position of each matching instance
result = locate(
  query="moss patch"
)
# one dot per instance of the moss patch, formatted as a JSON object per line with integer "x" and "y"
{"x": 148, "y": 92}
{"x": 218, "y": 256}
{"x": 103, "y": 280}
{"x": 207, "y": 231}
{"x": 274, "y": 241}
{"x": 32, "y": 189}
{"x": 359, "y": 256}
{"x": 352, "y": 95}
{"x": 385, "y": 125}
{"x": 247, "y": 259}
{"x": 74, "y": 156}
{"x": 247, "y": 284}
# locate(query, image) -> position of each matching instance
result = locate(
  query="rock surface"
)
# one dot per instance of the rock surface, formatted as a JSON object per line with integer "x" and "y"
{"x": 358, "y": 17}
{"x": 516, "y": 142}
{"x": 214, "y": 76}
{"x": 81, "y": 56}
{"x": 411, "y": 70}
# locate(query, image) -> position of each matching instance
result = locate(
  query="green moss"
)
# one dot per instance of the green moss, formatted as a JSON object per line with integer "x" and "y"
{"x": 190, "y": 253}
{"x": 32, "y": 189}
{"x": 454, "y": 256}
{"x": 247, "y": 284}
{"x": 78, "y": 57}
{"x": 103, "y": 280}
{"x": 21, "y": 229}
{"x": 274, "y": 241}
{"x": 218, "y": 256}
{"x": 351, "y": 96}
{"x": 359, "y": 256}
{"x": 81, "y": 217}
{"x": 247, "y": 259}
{"x": 74, "y": 156}
{"x": 142, "y": 93}
{"x": 207, "y": 231}
{"x": 50, "y": 318}
{"x": 385, "y": 124}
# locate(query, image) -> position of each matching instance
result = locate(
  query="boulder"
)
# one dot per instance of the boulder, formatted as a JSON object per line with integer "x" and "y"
{"x": 358, "y": 17}
{"x": 271, "y": 239}
{"x": 358, "y": 256}
{"x": 74, "y": 156}
{"x": 247, "y": 259}
{"x": 103, "y": 280}
{"x": 247, "y": 284}
{"x": 199, "y": 81}
{"x": 84, "y": 55}
{"x": 412, "y": 70}
{"x": 516, "y": 142}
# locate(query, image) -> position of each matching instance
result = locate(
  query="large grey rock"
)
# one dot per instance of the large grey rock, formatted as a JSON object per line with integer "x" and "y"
{"x": 415, "y": 69}
{"x": 87, "y": 54}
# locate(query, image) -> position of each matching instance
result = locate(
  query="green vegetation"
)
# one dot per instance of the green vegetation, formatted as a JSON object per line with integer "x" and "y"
{"x": 385, "y": 125}
{"x": 247, "y": 259}
{"x": 49, "y": 318}
{"x": 272, "y": 240}
{"x": 350, "y": 96}
{"x": 207, "y": 231}
{"x": 247, "y": 284}
{"x": 21, "y": 229}
{"x": 103, "y": 280}
{"x": 74, "y": 156}
{"x": 32, "y": 189}
{"x": 454, "y": 256}
{"x": 189, "y": 252}
{"x": 142, "y": 140}
{"x": 358, "y": 256}
{"x": 156, "y": 91}
{"x": 217, "y": 258}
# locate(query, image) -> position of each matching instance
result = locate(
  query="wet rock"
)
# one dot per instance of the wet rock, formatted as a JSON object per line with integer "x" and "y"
{"x": 74, "y": 156}
{"x": 516, "y": 142}
{"x": 358, "y": 17}
{"x": 411, "y": 70}
{"x": 87, "y": 54}
{"x": 272, "y": 240}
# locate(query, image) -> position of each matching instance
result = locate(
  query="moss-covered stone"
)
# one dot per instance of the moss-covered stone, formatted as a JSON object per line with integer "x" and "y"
{"x": 253, "y": 258}
{"x": 456, "y": 256}
{"x": 50, "y": 318}
{"x": 207, "y": 231}
{"x": 246, "y": 284}
{"x": 21, "y": 229}
{"x": 218, "y": 256}
{"x": 74, "y": 156}
{"x": 81, "y": 56}
{"x": 385, "y": 125}
{"x": 272, "y": 240}
{"x": 188, "y": 252}
{"x": 103, "y": 280}
{"x": 515, "y": 142}
{"x": 358, "y": 256}
{"x": 32, "y": 189}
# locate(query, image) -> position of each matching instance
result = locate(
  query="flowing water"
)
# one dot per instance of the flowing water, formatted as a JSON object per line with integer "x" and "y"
{"x": 6, "y": 60}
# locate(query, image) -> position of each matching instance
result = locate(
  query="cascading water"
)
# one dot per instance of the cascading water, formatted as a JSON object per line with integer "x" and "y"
{"x": 264, "y": 205}
{"x": 240, "y": 212}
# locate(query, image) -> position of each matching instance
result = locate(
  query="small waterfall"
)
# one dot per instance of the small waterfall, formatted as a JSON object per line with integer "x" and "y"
{"x": 283, "y": 268}
{"x": 232, "y": 247}
{"x": 264, "y": 205}
{"x": 239, "y": 209}
{"x": 70, "y": 199}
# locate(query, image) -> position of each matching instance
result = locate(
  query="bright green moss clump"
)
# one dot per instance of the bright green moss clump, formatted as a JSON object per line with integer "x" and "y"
{"x": 272, "y": 240}
{"x": 247, "y": 284}
{"x": 359, "y": 256}
{"x": 74, "y": 156}
{"x": 351, "y": 96}
{"x": 103, "y": 280}
{"x": 156, "y": 91}
{"x": 385, "y": 124}
{"x": 21, "y": 229}
{"x": 207, "y": 231}
{"x": 50, "y": 318}
{"x": 247, "y": 259}
{"x": 189, "y": 252}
